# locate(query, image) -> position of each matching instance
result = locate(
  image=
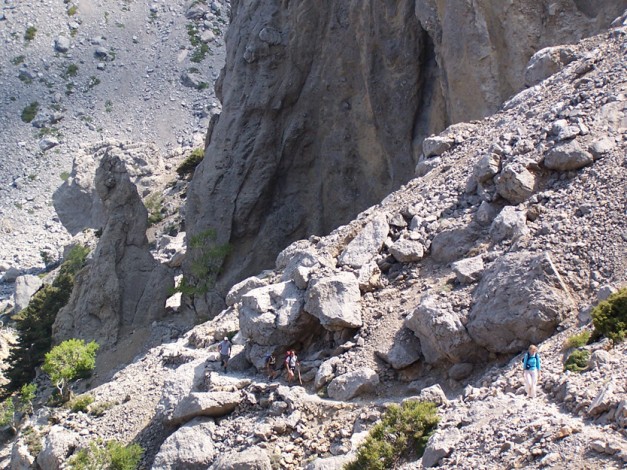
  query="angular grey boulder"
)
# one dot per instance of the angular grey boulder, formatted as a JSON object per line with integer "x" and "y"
{"x": 25, "y": 287}
{"x": 273, "y": 315}
{"x": 567, "y": 156}
{"x": 212, "y": 404}
{"x": 442, "y": 334}
{"x": 334, "y": 301}
{"x": 188, "y": 448}
{"x": 407, "y": 251}
{"x": 404, "y": 351}
{"x": 57, "y": 446}
{"x": 468, "y": 270}
{"x": 521, "y": 299}
{"x": 441, "y": 444}
{"x": 366, "y": 244}
{"x": 254, "y": 458}
{"x": 510, "y": 224}
{"x": 516, "y": 183}
{"x": 352, "y": 384}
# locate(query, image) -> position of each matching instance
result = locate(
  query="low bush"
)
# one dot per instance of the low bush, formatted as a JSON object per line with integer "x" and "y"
{"x": 30, "y": 33}
{"x": 110, "y": 456}
{"x": 100, "y": 408}
{"x": 578, "y": 340}
{"x": 80, "y": 403}
{"x": 7, "y": 409}
{"x": 402, "y": 433}
{"x": 577, "y": 361}
{"x": 610, "y": 316}
{"x": 190, "y": 163}
{"x": 30, "y": 111}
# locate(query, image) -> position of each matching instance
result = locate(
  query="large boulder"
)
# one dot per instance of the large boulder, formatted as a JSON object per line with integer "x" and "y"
{"x": 468, "y": 270}
{"x": 57, "y": 446}
{"x": 123, "y": 287}
{"x": 453, "y": 244}
{"x": 406, "y": 250}
{"x": 510, "y": 224}
{"x": 441, "y": 444}
{"x": 520, "y": 300}
{"x": 366, "y": 244}
{"x": 335, "y": 301}
{"x": 547, "y": 62}
{"x": 441, "y": 332}
{"x": 352, "y": 384}
{"x": 254, "y": 458}
{"x": 567, "y": 156}
{"x": 274, "y": 315}
{"x": 403, "y": 352}
{"x": 25, "y": 287}
{"x": 188, "y": 448}
{"x": 212, "y": 404}
{"x": 516, "y": 183}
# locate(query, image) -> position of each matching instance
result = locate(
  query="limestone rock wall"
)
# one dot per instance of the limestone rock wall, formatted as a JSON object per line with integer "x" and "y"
{"x": 123, "y": 287}
{"x": 326, "y": 104}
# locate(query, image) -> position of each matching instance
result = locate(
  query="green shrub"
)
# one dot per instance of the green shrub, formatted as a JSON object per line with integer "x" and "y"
{"x": 34, "y": 323}
{"x": 154, "y": 205}
{"x": 578, "y": 340}
{"x": 610, "y": 316}
{"x": 199, "y": 53}
{"x": 7, "y": 409}
{"x": 70, "y": 360}
{"x": 190, "y": 163}
{"x": 80, "y": 403}
{"x": 577, "y": 361}
{"x": 208, "y": 257}
{"x": 112, "y": 456}
{"x": 30, "y": 33}
{"x": 72, "y": 10}
{"x": 71, "y": 71}
{"x": 27, "y": 396}
{"x": 100, "y": 408}
{"x": 402, "y": 433}
{"x": 17, "y": 60}
{"x": 30, "y": 111}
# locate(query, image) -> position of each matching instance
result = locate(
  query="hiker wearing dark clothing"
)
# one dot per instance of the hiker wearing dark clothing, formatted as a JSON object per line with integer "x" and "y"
{"x": 531, "y": 370}
{"x": 269, "y": 363}
{"x": 225, "y": 352}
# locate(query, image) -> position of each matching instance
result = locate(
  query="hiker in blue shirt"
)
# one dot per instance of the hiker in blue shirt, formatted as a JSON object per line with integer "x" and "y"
{"x": 531, "y": 367}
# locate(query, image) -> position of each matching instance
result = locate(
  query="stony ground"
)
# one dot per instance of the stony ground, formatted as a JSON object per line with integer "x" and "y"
{"x": 98, "y": 70}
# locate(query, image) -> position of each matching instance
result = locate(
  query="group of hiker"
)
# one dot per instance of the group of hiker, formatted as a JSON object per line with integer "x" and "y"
{"x": 290, "y": 363}
{"x": 531, "y": 365}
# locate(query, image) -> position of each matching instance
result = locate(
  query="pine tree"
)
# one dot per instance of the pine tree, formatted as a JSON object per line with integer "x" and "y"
{"x": 34, "y": 323}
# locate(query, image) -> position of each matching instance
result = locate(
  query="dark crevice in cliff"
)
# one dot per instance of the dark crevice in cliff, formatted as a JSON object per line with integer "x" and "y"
{"x": 430, "y": 116}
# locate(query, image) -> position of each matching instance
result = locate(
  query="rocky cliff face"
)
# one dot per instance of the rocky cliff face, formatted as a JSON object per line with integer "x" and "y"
{"x": 326, "y": 105}
{"x": 123, "y": 287}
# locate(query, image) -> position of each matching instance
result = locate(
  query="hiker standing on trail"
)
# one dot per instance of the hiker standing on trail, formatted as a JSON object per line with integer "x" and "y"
{"x": 269, "y": 362}
{"x": 291, "y": 361}
{"x": 225, "y": 351}
{"x": 531, "y": 367}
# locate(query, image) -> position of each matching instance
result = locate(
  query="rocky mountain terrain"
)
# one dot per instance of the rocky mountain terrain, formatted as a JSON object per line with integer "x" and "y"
{"x": 323, "y": 132}
{"x": 513, "y": 227}
{"x": 87, "y": 73}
